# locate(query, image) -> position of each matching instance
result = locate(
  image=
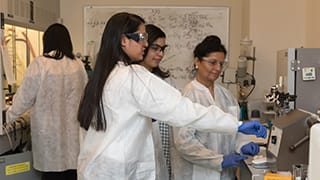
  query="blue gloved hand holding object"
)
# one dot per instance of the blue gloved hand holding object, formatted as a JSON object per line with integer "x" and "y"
{"x": 232, "y": 160}
{"x": 253, "y": 127}
{"x": 250, "y": 149}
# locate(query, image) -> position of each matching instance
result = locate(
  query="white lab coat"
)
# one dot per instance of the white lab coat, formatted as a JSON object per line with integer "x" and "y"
{"x": 162, "y": 170}
{"x": 52, "y": 90}
{"x": 198, "y": 155}
{"x": 125, "y": 151}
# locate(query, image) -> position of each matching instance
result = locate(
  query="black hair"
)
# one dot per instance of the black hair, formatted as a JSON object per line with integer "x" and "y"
{"x": 91, "y": 110}
{"x": 56, "y": 39}
{"x": 209, "y": 44}
{"x": 154, "y": 33}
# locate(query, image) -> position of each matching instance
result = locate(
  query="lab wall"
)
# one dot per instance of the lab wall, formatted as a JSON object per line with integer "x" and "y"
{"x": 272, "y": 25}
{"x": 312, "y": 23}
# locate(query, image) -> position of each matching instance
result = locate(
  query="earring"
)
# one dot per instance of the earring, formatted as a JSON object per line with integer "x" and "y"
{"x": 196, "y": 67}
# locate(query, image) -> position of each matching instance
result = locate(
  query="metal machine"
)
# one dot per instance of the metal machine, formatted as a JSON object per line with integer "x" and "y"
{"x": 297, "y": 73}
{"x": 289, "y": 139}
{"x": 18, "y": 166}
{"x": 296, "y": 96}
{"x": 288, "y": 144}
{"x": 298, "y": 69}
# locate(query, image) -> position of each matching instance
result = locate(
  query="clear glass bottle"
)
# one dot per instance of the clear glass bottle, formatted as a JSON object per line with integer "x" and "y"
{"x": 245, "y": 47}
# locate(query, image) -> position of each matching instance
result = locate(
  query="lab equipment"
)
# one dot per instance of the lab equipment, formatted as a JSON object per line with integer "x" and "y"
{"x": 278, "y": 176}
{"x": 261, "y": 162}
{"x": 245, "y": 55}
{"x": 245, "y": 81}
{"x": 280, "y": 100}
{"x": 255, "y": 114}
{"x": 242, "y": 67}
{"x": 298, "y": 74}
{"x": 245, "y": 47}
{"x": 259, "y": 159}
{"x": 232, "y": 160}
{"x": 19, "y": 46}
{"x": 2, "y": 115}
{"x": 18, "y": 167}
{"x": 297, "y": 102}
{"x": 289, "y": 139}
{"x": 288, "y": 144}
{"x": 300, "y": 172}
{"x": 255, "y": 168}
{"x": 86, "y": 62}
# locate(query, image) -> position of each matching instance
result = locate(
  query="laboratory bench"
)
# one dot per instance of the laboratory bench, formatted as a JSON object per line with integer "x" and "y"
{"x": 250, "y": 171}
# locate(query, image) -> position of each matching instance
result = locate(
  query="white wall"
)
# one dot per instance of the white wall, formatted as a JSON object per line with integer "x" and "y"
{"x": 312, "y": 24}
{"x": 274, "y": 25}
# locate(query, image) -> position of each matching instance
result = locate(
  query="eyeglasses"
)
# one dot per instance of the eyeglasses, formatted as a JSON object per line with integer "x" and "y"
{"x": 214, "y": 62}
{"x": 138, "y": 37}
{"x": 158, "y": 48}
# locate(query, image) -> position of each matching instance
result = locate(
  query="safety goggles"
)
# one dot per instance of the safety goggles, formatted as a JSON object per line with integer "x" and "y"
{"x": 158, "y": 48}
{"x": 213, "y": 62}
{"x": 138, "y": 37}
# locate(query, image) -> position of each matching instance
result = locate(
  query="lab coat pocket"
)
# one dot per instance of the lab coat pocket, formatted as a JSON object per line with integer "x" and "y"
{"x": 145, "y": 171}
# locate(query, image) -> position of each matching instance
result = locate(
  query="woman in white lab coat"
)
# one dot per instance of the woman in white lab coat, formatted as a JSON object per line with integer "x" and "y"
{"x": 161, "y": 130}
{"x": 51, "y": 89}
{"x": 201, "y": 155}
{"x": 118, "y": 101}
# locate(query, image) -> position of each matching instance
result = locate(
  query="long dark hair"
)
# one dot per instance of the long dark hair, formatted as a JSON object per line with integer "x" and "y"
{"x": 57, "y": 42}
{"x": 154, "y": 33}
{"x": 91, "y": 110}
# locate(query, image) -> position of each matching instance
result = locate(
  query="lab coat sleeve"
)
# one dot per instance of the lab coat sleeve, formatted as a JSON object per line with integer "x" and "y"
{"x": 158, "y": 100}
{"x": 26, "y": 94}
{"x": 193, "y": 150}
{"x": 233, "y": 108}
{"x": 230, "y": 104}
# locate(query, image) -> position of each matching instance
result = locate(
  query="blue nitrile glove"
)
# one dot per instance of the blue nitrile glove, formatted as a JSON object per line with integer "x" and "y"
{"x": 253, "y": 127}
{"x": 250, "y": 149}
{"x": 232, "y": 160}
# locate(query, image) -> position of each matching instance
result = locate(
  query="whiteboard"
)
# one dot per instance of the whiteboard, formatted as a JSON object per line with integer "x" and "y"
{"x": 185, "y": 27}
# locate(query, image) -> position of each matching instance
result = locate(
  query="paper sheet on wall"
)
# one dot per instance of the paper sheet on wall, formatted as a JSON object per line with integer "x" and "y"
{"x": 7, "y": 65}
